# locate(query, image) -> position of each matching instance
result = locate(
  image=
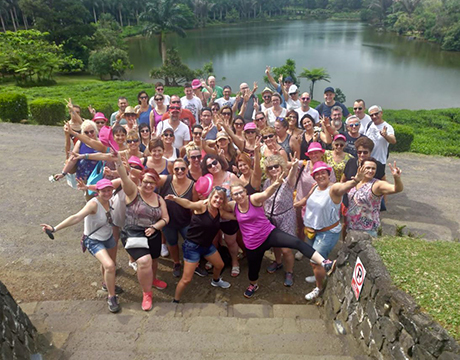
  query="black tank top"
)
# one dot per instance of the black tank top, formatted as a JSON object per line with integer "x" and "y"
{"x": 203, "y": 228}
{"x": 178, "y": 216}
{"x": 304, "y": 147}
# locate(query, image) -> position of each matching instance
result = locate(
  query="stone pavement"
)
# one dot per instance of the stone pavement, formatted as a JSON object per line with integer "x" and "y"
{"x": 86, "y": 330}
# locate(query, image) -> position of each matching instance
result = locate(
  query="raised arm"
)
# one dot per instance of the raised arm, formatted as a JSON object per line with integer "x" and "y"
{"x": 198, "y": 206}
{"x": 259, "y": 198}
{"x": 256, "y": 177}
{"x": 339, "y": 189}
{"x": 236, "y": 140}
{"x": 270, "y": 77}
{"x": 383, "y": 187}
{"x": 129, "y": 187}
{"x": 92, "y": 143}
{"x": 292, "y": 177}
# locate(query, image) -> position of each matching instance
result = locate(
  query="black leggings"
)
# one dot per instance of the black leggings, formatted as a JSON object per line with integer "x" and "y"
{"x": 276, "y": 239}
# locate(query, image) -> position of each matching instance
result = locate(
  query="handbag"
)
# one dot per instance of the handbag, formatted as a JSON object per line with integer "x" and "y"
{"x": 134, "y": 237}
{"x": 273, "y": 205}
{"x": 71, "y": 180}
{"x": 96, "y": 175}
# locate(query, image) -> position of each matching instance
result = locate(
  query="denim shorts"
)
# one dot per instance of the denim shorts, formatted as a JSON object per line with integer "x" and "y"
{"x": 324, "y": 242}
{"x": 94, "y": 246}
{"x": 171, "y": 234}
{"x": 193, "y": 252}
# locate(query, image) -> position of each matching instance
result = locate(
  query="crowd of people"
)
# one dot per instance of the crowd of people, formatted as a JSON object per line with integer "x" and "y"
{"x": 212, "y": 171}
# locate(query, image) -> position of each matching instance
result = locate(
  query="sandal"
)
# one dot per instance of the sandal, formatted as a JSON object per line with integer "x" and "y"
{"x": 235, "y": 271}
{"x": 208, "y": 266}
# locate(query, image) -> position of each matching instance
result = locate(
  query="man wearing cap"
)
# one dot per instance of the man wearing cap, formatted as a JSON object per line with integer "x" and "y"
{"x": 359, "y": 108}
{"x": 181, "y": 131}
{"x": 291, "y": 96}
{"x": 305, "y": 108}
{"x": 185, "y": 115}
{"x": 226, "y": 100}
{"x": 288, "y": 81}
{"x": 381, "y": 133}
{"x": 118, "y": 115}
{"x": 325, "y": 108}
{"x": 212, "y": 87}
{"x": 190, "y": 101}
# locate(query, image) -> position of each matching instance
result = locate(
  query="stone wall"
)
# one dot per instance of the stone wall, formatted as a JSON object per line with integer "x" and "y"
{"x": 17, "y": 333}
{"x": 386, "y": 321}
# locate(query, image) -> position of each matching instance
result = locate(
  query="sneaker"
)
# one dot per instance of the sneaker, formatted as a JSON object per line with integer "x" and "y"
{"x": 310, "y": 279}
{"x": 147, "y": 301}
{"x": 298, "y": 256}
{"x": 114, "y": 307}
{"x": 118, "y": 290}
{"x": 133, "y": 265}
{"x": 251, "y": 290}
{"x": 289, "y": 279}
{"x": 160, "y": 285}
{"x": 201, "y": 272}
{"x": 221, "y": 283}
{"x": 164, "y": 250}
{"x": 312, "y": 295}
{"x": 273, "y": 267}
{"x": 176, "y": 270}
{"x": 329, "y": 266}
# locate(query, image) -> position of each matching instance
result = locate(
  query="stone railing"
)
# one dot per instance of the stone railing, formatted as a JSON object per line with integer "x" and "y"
{"x": 17, "y": 334}
{"x": 385, "y": 321}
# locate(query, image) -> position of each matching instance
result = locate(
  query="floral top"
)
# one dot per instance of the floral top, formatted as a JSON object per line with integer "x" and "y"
{"x": 337, "y": 167}
{"x": 364, "y": 208}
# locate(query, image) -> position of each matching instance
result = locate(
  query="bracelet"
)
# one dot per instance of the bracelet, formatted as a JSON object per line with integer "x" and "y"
{"x": 153, "y": 227}
{"x": 356, "y": 181}
{"x": 64, "y": 173}
{"x": 54, "y": 230}
{"x": 86, "y": 156}
{"x": 166, "y": 223}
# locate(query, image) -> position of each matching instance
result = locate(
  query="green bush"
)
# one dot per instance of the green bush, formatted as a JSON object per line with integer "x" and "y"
{"x": 47, "y": 111}
{"x": 13, "y": 107}
{"x": 404, "y": 136}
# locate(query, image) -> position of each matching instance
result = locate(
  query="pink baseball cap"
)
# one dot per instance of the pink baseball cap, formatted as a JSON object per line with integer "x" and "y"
{"x": 103, "y": 183}
{"x": 320, "y": 165}
{"x": 134, "y": 160}
{"x": 196, "y": 83}
{"x": 315, "y": 146}
{"x": 106, "y": 138}
{"x": 203, "y": 185}
{"x": 340, "y": 137}
{"x": 250, "y": 126}
{"x": 99, "y": 116}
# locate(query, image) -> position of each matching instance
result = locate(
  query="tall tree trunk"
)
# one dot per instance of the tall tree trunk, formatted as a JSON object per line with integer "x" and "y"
{"x": 162, "y": 47}
{"x": 12, "y": 20}
{"x": 121, "y": 18}
{"x": 94, "y": 14}
{"x": 15, "y": 16}
{"x": 24, "y": 19}
{"x": 137, "y": 17}
{"x": 3, "y": 22}
{"x": 221, "y": 14}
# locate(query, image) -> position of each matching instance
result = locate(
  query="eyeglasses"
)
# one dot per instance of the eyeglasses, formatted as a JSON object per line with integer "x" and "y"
{"x": 175, "y": 102}
{"x": 267, "y": 97}
{"x": 177, "y": 169}
{"x": 214, "y": 163}
{"x": 357, "y": 108}
{"x": 90, "y": 132}
{"x": 132, "y": 141}
{"x": 195, "y": 157}
{"x": 250, "y": 131}
{"x": 305, "y": 98}
{"x": 270, "y": 136}
{"x": 108, "y": 215}
{"x": 159, "y": 99}
{"x": 145, "y": 131}
{"x": 100, "y": 122}
{"x": 168, "y": 134}
{"x": 160, "y": 89}
{"x": 143, "y": 97}
{"x": 174, "y": 108}
{"x": 226, "y": 113}
{"x": 365, "y": 152}
{"x": 260, "y": 119}
{"x": 339, "y": 145}
{"x": 354, "y": 125}
{"x": 197, "y": 133}
{"x": 276, "y": 166}
{"x": 214, "y": 109}
{"x": 238, "y": 123}
{"x": 375, "y": 114}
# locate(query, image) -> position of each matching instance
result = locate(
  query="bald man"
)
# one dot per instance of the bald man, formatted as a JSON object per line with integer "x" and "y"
{"x": 213, "y": 87}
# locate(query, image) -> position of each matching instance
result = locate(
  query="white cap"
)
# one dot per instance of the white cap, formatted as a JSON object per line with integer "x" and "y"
{"x": 292, "y": 89}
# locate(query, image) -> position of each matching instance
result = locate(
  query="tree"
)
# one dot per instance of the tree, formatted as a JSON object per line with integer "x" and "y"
{"x": 314, "y": 75}
{"x": 109, "y": 61}
{"x": 163, "y": 16}
{"x": 286, "y": 70}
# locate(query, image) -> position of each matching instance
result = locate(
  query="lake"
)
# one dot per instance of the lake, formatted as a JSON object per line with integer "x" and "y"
{"x": 382, "y": 68}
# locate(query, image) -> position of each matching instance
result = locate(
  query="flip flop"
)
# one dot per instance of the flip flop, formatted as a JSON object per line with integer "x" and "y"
{"x": 235, "y": 271}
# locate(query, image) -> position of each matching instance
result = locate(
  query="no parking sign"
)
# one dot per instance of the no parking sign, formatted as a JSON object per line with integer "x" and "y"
{"x": 359, "y": 273}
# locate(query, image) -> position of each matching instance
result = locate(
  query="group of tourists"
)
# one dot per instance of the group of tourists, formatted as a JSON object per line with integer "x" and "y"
{"x": 229, "y": 174}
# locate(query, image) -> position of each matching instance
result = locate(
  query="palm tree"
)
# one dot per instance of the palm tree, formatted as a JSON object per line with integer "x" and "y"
{"x": 163, "y": 16}
{"x": 314, "y": 75}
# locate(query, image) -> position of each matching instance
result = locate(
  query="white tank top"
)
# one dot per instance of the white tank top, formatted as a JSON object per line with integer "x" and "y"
{"x": 98, "y": 220}
{"x": 322, "y": 211}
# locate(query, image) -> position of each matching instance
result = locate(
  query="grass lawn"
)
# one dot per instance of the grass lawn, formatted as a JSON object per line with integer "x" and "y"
{"x": 429, "y": 271}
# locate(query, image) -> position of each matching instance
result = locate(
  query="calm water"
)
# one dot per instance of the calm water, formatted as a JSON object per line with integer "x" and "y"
{"x": 381, "y": 68}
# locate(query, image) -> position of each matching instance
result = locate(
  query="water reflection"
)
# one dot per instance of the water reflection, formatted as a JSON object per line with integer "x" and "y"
{"x": 380, "y": 67}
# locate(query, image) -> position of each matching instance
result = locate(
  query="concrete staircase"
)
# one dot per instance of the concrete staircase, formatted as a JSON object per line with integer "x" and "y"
{"x": 86, "y": 330}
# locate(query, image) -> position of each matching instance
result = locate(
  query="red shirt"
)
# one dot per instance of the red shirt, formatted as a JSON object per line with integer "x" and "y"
{"x": 186, "y": 117}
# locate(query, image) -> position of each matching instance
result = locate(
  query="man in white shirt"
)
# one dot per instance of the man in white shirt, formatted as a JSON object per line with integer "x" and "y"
{"x": 190, "y": 101}
{"x": 226, "y": 100}
{"x": 181, "y": 131}
{"x": 359, "y": 108}
{"x": 291, "y": 97}
{"x": 381, "y": 133}
{"x": 305, "y": 108}
{"x": 159, "y": 89}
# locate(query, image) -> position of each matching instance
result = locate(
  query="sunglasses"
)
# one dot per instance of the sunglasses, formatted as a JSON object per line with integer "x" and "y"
{"x": 339, "y": 145}
{"x": 175, "y": 102}
{"x": 168, "y": 134}
{"x": 145, "y": 131}
{"x": 353, "y": 125}
{"x": 158, "y": 99}
{"x": 357, "y": 108}
{"x": 375, "y": 114}
{"x": 197, "y": 133}
{"x": 238, "y": 124}
{"x": 195, "y": 157}
{"x": 143, "y": 97}
{"x": 265, "y": 137}
{"x": 160, "y": 89}
{"x": 108, "y": 215}
{"x": 220, "y": 188}
{"x": 276, "y": 166}
{"x": 174, "y": 108}
{"x": 90, "y": 132}
{"x": 226, "y": 113}
{"x": 100, "y": 122}
{"x": 214, "y": 163}
{"x": 305, "y": 98}
{"x": 177, "y": 169}
{"x": 260, "y": 119}
{"x": 250, "y": 131}
{"x": 214, "y": 109}
{"x": 365, "y": 152}
{"x": 267, "y": 97}
{"x": 132, "y": 141}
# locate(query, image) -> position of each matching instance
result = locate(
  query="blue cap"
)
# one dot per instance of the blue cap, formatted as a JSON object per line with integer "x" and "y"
{"x": 329, "y": 88}
{"x": 289, "y": 79}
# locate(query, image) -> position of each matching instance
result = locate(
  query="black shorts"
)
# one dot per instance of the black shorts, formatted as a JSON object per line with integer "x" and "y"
{"x": 229, "y": 227}
{"x": 154, "y": 248}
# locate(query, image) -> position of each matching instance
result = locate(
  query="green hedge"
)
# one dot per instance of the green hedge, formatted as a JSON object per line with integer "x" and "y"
{"x": 404, "y": 136}
{"x": 13, "y": 107}
{"x": 48, "y": 111}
